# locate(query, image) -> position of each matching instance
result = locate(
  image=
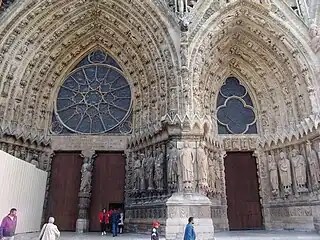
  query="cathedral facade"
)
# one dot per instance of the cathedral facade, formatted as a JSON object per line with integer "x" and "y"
{"x": 126, "y": 103}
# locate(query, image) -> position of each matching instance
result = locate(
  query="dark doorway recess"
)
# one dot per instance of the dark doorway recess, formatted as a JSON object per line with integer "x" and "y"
{"x": 244, "y": 208}
{"x": 63, "y": 191}
{"x": 107, "y": 185}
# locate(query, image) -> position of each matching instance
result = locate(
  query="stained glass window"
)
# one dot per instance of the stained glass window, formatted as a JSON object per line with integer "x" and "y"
{"x": 94, "y": 98}
{"x": 235, "y": 111}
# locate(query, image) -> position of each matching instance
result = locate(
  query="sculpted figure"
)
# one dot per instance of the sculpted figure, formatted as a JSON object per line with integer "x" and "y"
{"x": 143, "y": 160}
{"x": 158, "y": 176}
{"x": 34, "y": 160}
{"x": 300, "y": 170}
{"x": 314, "y": 33}
{"x": 313, "y": 165}
{"x": 285, "y": 173}
{"x": 202, "y": 166}
{"x": 137, "y": 173}
{"x": 149, "y": 164}
{"x": 187, "y": 162}
{"x": 273, "y": 173}
{"x": 214, "y": 172}
{"x": 86, "y": 175}
{"x": 173, "y": 169}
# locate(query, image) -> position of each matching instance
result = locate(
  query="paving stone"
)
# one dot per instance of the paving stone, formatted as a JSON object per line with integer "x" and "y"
{"x": 233, "y": 235}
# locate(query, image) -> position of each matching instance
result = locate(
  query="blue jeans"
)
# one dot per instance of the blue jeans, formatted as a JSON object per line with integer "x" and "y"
{"x": 115, "y": 229}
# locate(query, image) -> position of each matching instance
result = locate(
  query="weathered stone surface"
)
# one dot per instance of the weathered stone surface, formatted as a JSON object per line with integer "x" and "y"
{"x": 181, "y": 206}
{"x": 176, "y": 56}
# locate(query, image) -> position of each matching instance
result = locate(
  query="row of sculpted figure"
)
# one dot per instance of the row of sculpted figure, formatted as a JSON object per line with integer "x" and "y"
{"x": 295, "y": 173}
{"x": 30, "y": 155}
{"x": 190, "y": 167}
{"x": 185, "y": 168}
{"x": 148, "y": 169}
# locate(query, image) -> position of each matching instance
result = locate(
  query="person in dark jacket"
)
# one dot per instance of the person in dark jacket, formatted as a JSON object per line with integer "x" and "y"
{"x": 189, "y": 233}
{"x": 115, "y": 218}
{"x": 104, "y": 220}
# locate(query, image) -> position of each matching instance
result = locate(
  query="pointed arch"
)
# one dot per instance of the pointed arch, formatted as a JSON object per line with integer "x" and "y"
{"x": 248, "y": 41}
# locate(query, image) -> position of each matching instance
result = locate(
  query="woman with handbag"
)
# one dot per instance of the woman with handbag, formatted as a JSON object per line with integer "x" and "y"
{"x": 49, "y": 231}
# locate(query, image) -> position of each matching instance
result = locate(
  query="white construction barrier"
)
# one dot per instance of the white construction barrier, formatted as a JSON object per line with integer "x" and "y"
{"x": 22, "y": 186}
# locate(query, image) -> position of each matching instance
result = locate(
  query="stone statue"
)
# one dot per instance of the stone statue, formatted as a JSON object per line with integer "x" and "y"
{"x": 86, "y": 171}
{"x": 34, "y": 160}
{"x": 149, "y": 165}
{"x": 202, "y": 160}
{"x": 285, "y": 173}
{"x": 273, "y": 173}
{"x": 214, "y": 172}
{"x": 314, "y": 33}
{"x": 173, "y": 169}
{"x": 187, "y": 162}
{"x": 137, "y": 173}
{"x": 313, "y": 165}
{"x": 299, "y": 169}
{"x": 158, "y": 174}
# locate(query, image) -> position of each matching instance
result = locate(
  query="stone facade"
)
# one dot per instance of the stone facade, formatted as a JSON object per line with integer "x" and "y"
{"x": 176, "y": 56}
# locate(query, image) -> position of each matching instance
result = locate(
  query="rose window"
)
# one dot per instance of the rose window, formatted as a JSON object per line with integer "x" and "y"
{"x": 94, "y": 98}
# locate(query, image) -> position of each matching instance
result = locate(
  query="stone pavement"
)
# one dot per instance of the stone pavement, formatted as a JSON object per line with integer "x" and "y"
{"x": 234, "y": 235}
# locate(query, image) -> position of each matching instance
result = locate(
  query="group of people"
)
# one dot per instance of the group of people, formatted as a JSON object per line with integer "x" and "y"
{"x": 8, "y": 226}
{"x": 113, "y": 218}
{"x": 111, "y": 221}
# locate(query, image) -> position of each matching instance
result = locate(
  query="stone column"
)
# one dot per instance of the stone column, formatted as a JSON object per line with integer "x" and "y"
{"x": 84, "y": 195}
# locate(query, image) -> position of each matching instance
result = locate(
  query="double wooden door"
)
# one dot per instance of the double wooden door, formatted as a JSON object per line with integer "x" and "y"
{"x": 244, "y": 208}
{"x": 107, "y": 187}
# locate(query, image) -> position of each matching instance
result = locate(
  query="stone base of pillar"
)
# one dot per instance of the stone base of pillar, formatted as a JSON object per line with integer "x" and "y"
{"x": 82, "y": 225}
{"x": 180, "y": 207}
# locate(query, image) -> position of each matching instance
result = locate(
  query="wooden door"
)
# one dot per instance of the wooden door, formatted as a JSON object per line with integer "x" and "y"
{"x": 64, "y": 187}
{"x": 244, "y": 209}
{"x": 107, "y": 184}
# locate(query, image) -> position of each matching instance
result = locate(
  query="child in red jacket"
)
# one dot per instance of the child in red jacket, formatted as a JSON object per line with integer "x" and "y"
{"x": 104, "y": 220}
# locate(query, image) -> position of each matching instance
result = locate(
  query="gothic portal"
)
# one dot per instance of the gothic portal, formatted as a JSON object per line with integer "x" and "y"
{"x": 178, "y": 108}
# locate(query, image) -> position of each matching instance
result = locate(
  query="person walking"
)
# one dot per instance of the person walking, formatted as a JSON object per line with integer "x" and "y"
{"x": 115, "y": 217}
{"x": 155, "y": 228}
{"x": 104, "y": 220}
{"x": 8, "y": 225}
{"x": 49, "y": 231}
{"x": 189, "y": 233}
{"x": 121, "y": 223}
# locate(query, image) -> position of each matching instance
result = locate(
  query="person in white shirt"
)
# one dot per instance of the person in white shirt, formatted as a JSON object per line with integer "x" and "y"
{"x": 49, "y": 231}
{"x": 121, "y": 223}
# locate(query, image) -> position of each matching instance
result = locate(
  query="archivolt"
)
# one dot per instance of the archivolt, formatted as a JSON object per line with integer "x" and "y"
{"x": 245, "y": 41}
{"x": 45, "y": 40}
